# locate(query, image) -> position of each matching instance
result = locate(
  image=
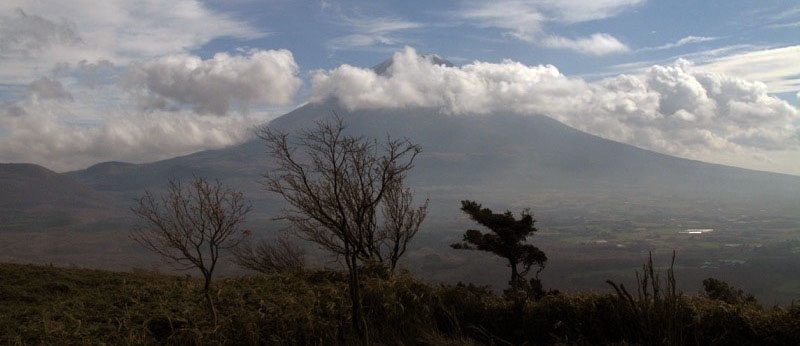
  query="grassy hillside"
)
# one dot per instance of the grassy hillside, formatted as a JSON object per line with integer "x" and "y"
{"x": 46, "y": 305}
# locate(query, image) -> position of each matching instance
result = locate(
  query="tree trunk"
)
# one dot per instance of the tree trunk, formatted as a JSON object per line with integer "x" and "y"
{"x": 514, "y": 275}
{"x": 355, "y": 298}
{"x": 207, "y": 293}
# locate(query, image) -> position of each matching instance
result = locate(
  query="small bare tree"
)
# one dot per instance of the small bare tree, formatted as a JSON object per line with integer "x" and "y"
{"x": 335, "y": 184}
{"x": 278, "y": 255}
{"x": 191, "y": 225}
{"x": 401, "y": 220}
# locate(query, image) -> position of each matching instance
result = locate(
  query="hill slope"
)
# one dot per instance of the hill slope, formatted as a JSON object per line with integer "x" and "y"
{"x": 29, "y": 186}
{"x": 35, "y": 198}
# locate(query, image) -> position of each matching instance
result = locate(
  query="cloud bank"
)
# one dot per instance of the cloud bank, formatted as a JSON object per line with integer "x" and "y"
{"x": 41, "y": 136}
{"x": 87, "y": 81}
{"x": 185, "y": 106}
{"x": 675, "y": 109}
{"x": 214, "y": 85}
{"x": 777, "y": 67}
{"x": 35, "y": 35}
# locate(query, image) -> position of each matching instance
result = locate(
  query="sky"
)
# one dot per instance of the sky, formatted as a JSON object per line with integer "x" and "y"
{"x": 83, "y": 81}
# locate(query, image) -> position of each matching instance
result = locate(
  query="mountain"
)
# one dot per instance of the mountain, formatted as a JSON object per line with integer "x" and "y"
{"x": 493, "y": 157}
{"x": 499, "y": 158}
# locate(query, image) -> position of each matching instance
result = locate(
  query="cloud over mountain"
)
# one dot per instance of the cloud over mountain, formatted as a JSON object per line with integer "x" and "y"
{"x": 675, "y": 109}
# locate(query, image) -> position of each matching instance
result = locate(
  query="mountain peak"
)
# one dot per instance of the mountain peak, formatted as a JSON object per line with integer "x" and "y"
{"x": 383, "y": 67}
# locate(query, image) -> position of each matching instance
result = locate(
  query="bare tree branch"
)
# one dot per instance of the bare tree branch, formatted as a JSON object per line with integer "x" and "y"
{"x": 189, "y": 225}
{"x": 335, "y": 184}
{"x": 278, "y": 255}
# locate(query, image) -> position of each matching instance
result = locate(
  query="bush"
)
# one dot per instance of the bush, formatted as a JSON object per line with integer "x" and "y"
{"x": 720, "y": 290}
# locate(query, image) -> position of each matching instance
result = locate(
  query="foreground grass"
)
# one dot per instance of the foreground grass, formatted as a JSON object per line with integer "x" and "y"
{"x": 45, "y": 305}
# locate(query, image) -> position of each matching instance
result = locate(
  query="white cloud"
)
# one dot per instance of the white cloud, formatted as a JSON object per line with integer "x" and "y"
{"x": 682, "y": 42}
{"x": 526, "y": 21}
{"x": 98, "y": 125}
{"x": 522, "y": 20}
{"x": 78, "y": 52}
{"x": 215, "y": 85}
{"x": 784, "y": 25}
{"x": 24, "y": 34}
{"x": 368, "y": 32}
{"x": 788, "y": 12}
{"x": 597, "y": 44}
{"x": 676, "y": 109}
{"x": 90, "y": 74}
{"x": 36, "y": 35}
{"x": 575, "y": 11}
{"x": 42, "y": 136}
{"x": 777, "y": 67}
{"x": 46, "y": 88}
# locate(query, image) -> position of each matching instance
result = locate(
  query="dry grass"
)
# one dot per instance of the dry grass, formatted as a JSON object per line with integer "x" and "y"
{"x": 45, "y": 305}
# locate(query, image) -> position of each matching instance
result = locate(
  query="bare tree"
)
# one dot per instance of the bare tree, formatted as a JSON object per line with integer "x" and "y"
{"x": 334, "y": 185}
{"x": 401, "y": 220}
{"x": 278, "y": 255}
{"x": 191, "y": 225}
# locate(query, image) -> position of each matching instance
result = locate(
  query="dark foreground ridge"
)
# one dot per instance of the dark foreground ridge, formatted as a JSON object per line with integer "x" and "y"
{"x": 47, "y": 305}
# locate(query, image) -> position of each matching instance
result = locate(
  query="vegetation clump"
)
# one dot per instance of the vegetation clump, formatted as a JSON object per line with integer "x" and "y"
{"x": 720, "y": 290}
{"x": 46, "y": 305}
{"x": 507, "y": 239}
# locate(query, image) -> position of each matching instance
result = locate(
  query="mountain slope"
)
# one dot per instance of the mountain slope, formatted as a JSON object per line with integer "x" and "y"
{"x": 493, "y": 157}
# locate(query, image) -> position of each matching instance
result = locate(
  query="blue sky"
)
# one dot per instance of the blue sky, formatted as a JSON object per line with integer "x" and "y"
{"x": 83, "y": 82}
{"x": 316, "y": 32}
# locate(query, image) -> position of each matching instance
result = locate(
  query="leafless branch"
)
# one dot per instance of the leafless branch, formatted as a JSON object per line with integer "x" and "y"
{"x": 191, "y": 224}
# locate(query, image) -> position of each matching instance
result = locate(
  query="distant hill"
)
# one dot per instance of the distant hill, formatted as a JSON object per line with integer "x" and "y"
{"x": 28, "y": 187}
{"x": 35, "y": 198}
